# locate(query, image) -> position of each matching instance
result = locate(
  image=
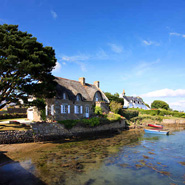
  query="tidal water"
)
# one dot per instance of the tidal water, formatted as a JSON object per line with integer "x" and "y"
{"x": 128, "y": 158}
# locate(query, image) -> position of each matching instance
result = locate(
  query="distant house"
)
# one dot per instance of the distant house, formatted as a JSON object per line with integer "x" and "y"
{"x": 133, "y": 102}
{"x": 73, "y": 100}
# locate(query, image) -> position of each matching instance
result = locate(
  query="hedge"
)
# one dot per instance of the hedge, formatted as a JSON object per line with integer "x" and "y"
{"x": 158, "y": 112}
{"x": 128, "y": 114}
{"x": 92, "y": 122}
{"x": 13, "y": 115}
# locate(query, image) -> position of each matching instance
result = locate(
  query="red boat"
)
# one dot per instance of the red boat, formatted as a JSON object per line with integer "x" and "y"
{"x": 154, "y": 125}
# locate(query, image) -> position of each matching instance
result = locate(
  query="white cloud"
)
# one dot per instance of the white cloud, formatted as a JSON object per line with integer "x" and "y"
{"x": 57, "y": 68}
{"x": 166, "y": 93}
{"x": 149, "y": 43}
{"x": 77, "y": 59}
{"x": 177, "y": 34}
{"x": 178, "y": 105}
{"x": 54, "y": 14}
{"x": 116, "y": 48}
{"x": 144, "y": 67}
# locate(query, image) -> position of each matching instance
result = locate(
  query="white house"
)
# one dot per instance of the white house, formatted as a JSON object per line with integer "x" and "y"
{"x": 133, "y": 102}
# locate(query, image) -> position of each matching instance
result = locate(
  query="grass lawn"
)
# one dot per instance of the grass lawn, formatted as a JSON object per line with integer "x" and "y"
{"x": 17, "y": 126}
{"x": 7, "y": 126}
{"x": 17, "y": 119}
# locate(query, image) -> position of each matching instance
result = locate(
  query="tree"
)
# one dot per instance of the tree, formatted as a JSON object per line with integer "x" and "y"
{"x": 115, "y": 106}
{"x": 159, "y": 104}
{"x": 25, "y": 66}
{"x": 114, "y": 97}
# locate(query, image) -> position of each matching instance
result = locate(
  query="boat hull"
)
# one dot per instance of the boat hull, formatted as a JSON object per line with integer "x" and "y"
{"x": 149, "y": 131}
{"x": 155, "y": 126}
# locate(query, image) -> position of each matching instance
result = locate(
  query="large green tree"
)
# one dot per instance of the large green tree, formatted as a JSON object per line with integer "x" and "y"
{"x": 25, "y": 66}
{"x": 114, "y": 97}
{"x": 159, "y": 104}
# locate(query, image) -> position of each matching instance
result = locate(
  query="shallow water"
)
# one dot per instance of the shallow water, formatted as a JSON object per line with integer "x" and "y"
{"x": 127, "y": 158}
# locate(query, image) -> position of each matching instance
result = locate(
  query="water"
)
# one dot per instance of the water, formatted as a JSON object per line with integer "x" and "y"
{"x": 127, "y": 158}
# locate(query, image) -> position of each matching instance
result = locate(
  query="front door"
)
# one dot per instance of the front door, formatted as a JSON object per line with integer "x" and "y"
{"x": 87, "y": 112}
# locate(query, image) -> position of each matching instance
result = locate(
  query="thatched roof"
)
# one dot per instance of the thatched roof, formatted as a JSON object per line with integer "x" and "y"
{"x": 72, "y": 88}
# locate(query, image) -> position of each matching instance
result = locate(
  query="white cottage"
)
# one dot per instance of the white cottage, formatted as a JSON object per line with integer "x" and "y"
{"x": 133, "y": 102}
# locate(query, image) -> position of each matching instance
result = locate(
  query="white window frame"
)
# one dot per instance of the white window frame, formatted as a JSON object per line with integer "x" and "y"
{"x": 46, "y": 110}
{"x": 64, "y": 96}
{"x": 78, "y": 97}
{"x": 77, "y": 109}
{"x": 52, "y": 110}
{"x": 65, "y": 109}
{"x": 81, "y": 109}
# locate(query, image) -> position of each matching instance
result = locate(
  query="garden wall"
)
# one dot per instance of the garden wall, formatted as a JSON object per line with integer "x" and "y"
{"x": 53, "y": 131}
{"x": 173, "y": 121}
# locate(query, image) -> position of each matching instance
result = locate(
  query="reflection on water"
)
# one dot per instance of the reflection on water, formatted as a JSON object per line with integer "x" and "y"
{"x": 131, "y": 157}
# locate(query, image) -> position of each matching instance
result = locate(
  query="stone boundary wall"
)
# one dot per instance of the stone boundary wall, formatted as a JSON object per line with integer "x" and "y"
{"x": 53, "y": 131}
{"x": 173, "y": 121}
{"x": 47, "y": 131}
{"x": 17, "y": 110}
{"x": 9, "y": 137}
{"x": 3, "y": 112}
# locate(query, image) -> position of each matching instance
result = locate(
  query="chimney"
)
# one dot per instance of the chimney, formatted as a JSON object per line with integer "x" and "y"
{"x": 82, "y": 80}
{"x": 97, "y": 84}
{"x": 123, "y": 92}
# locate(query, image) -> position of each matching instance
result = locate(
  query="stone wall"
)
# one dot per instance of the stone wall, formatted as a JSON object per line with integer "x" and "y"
{"x": 173, "y": 121}
{"x": 53, "y": 131}
{"x": 7, "y": 137}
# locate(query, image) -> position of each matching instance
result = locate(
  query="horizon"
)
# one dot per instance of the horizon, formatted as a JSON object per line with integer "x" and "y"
{"x": 133, "y": 45}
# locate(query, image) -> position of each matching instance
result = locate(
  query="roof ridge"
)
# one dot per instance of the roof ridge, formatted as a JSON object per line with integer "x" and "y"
{"x": 73, "y": 80}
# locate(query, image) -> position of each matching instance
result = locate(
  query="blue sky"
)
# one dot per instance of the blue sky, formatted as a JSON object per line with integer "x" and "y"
{"x": 136, "y": 45}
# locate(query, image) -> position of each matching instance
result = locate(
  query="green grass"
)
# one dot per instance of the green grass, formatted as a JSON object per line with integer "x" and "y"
{"x": 13, "y": 119}
{"x": 8, "y": 127}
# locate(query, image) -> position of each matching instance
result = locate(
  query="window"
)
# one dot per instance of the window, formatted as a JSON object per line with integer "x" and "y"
{"x": 64, "y": 96}
{"x": 78, "y": 98}
{"x": 65, "y": 109}
{"x": 46, "y": 110}
{"x": 52, "y": 110}
{"x": 78, "y": 109}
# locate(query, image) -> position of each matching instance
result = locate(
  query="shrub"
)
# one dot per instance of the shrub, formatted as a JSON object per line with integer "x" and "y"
{"x": 68, "y": 123}
{"x": 113, "y": 117}
{"x": 98, "y": 110}
{"x": 115, "y": 107}
{"x": 114, "y": 97}
{"x": 91, "y": 122}
{"x": 43, "y": 114}
{"x": 160, "y": 104}
{"x": 128, "y": 114}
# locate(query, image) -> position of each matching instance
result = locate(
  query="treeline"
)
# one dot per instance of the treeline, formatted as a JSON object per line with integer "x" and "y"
{"x": 160, "y": 112}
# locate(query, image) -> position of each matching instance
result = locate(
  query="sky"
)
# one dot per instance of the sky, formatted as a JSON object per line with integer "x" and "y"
{"x": 135, "y": 45}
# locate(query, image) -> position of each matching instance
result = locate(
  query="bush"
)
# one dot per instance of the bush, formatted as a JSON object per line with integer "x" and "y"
{"x": 98, "y": 110}
{"x": 43, "y": 114}
{"x": 113, "y": 117}
{"x": 115, "y": 107}
{"x": 114, "y": 97}
{"x": 128, "y": 114}
{"x": 13, "y": 115}
{"x": 162, "y": 112}
{"x": 159, "y": 104}
{"x": 68, "y": 123}
{"x": 91, "y": 122}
